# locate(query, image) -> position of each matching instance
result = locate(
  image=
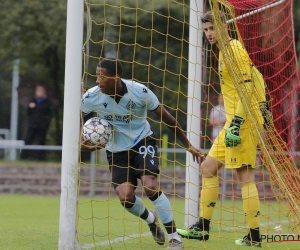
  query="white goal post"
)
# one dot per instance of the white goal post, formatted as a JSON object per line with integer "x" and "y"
{"x": 192, "y": 188}
{"x": 71, "y": 126}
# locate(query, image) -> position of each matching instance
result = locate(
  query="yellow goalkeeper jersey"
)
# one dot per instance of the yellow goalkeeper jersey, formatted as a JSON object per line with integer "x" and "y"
{"x": 242, "y": 67}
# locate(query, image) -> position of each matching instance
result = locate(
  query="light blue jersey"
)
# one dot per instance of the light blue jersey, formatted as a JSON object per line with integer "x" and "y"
{"x": 127, "y": 115}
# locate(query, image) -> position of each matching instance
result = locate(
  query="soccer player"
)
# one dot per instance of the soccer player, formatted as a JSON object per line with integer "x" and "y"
{"x": 131, "y": 150}
{"x": 236, "y": 144}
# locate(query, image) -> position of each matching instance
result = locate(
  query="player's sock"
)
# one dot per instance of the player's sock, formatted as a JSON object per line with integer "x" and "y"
{"x": 136, "y": 207}
{"x": 171, "y": 230}
{"x": 174, "y": 236}
{"x": 251, "y": 208}
{"x": 209, "y": 196}
{"x": 148, "y": 216}
{"x": 163, "y": 207}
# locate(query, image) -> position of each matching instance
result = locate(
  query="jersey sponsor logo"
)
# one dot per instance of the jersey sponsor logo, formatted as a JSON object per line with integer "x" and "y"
{"x": 108, "y": 117}
{"x": 123, "y": 118}
{"x": 105, "y": 104}
{"x": 118, "y": 118}
{"x": 130, "y": 105}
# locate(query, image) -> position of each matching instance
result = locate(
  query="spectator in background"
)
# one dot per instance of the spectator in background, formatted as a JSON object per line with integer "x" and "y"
{"x": 39, "y": 116}
{"x": 217, "y": 118}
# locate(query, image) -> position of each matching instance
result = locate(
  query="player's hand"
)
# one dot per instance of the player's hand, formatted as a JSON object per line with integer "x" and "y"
{"x": 232, "y": 135}
{"x": 267, "y": 114}
{"x": 196, "y": 153}
{"x": 87, "y": 146}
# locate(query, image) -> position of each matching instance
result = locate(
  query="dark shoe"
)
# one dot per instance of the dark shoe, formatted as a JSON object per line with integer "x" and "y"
{"x": 157, "y": 233}
{"x": 247, "y": 242}
{"x": 175, "y": 244}
{"x": 194, "y": 232}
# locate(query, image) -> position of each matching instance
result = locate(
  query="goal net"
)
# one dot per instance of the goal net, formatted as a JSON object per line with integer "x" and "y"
{"x": 152, "y": 39}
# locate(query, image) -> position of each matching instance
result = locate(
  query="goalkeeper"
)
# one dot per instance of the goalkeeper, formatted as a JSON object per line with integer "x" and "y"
{"x": 236, "y": 144}
{"x": 131, "y": 150}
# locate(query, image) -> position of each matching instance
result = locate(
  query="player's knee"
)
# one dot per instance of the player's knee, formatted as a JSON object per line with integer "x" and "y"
{"x": 127, "y": 203}
{"x": 150, "y": 191}
{"x": 125, "y": 195}
{"x": 150, "y": 186}
{"x": 207, "y": 169}
{"x": 203, "y": 167}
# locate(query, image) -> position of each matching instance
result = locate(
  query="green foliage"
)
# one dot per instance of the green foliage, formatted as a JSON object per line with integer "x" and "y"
{"x": 34, "y": 32}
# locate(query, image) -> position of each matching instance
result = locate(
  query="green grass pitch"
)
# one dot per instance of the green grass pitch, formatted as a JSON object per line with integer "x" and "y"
{"x": 31, "y": 222}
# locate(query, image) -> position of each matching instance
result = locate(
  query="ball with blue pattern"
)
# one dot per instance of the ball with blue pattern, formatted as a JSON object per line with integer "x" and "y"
{"x": 96, "y": 129}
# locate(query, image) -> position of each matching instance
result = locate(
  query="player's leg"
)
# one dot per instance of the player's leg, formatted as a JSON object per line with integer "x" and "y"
{"x": 246, "y": 158}
{"x": 210, "y": 190}
{"x": 251, "y": 206}
{"x": 134, "y": 205}
{"x": 145, "y": 161}
{"x": 209, "y": 195}
{"x": 163, "y": 208}
{"x": 125, "y": 181}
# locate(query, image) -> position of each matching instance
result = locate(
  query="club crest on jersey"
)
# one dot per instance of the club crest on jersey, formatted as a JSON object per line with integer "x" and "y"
{"x": 105, "y": 104}
{"x": 130, "y": 105}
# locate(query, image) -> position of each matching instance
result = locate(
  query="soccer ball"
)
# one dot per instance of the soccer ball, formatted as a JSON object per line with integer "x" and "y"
{"x": 97, "y": 130}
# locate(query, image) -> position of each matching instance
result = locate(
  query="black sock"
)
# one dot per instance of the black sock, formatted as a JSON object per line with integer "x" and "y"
{"x": 254, "y": 234}
{"x": 144, "y": 216}
{"x": 170, "y": 227}
{"x": 203, "y": 224}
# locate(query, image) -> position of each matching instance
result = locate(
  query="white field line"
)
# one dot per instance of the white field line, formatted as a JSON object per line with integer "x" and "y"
{"x": 133, "y": 236}
{"x": 116, "y": 240}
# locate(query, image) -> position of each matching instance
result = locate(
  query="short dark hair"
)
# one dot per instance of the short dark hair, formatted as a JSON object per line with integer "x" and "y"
{"x": 209, "y": 18}
{"x": 112, "y": 65}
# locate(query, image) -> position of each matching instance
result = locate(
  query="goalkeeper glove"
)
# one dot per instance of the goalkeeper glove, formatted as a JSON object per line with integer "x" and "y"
{"x": 266, "y": 113}
{"x": 232, "y": 135}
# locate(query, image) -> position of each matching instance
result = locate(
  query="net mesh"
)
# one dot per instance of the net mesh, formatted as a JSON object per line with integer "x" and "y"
{"x": 151, "y": 39}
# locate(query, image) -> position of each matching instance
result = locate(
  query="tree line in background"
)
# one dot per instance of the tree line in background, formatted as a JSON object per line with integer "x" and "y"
{"x": 35, "y": 33}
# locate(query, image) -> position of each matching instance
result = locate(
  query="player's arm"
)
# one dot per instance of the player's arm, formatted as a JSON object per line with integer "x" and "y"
{"x": 245, "y": 80}
{"x": 241, "y": 62}
{"x": 175, "y": 127}
{"x": 264, "y": 106}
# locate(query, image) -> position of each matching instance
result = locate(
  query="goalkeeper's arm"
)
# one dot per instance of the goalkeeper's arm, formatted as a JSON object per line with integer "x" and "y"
{"x": 246, "y": 85}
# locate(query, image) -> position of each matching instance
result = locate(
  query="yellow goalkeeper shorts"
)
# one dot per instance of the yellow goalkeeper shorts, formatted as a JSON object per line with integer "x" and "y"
{"x": 242, "y": 155}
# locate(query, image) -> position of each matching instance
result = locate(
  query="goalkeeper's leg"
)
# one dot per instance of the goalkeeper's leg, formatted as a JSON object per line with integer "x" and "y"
{"x": 209, "y": 196}
{"x": 251, "y": 206}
